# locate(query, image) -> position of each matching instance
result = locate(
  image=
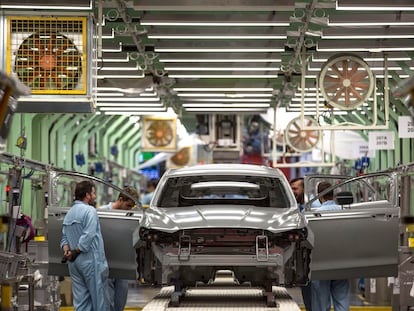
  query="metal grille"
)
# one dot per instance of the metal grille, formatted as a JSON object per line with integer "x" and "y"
{"x": 48, "y": 54}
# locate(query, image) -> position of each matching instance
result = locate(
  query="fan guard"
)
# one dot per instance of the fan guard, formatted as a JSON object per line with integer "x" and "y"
{"x": 346, "y": 81}
{"x": 302, "y": 140}
{"x": 159, "y": 133}
{"x": 48, "y": 61}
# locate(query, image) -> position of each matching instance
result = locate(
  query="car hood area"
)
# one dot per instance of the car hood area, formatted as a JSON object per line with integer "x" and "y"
{"x": 219, "y": 216}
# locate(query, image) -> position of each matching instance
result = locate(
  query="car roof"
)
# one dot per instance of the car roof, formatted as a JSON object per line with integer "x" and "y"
{"x": 227, "y": 168}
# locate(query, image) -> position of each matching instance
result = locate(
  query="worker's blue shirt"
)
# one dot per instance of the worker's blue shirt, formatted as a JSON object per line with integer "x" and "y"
{"x": 107, "y": 206}
{"x": 329, "y": 205}
{"x": 146, "y": 199}
{"x": 81, "y": 229}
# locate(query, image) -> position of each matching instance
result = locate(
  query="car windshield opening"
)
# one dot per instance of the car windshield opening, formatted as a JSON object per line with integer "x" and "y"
{"x": 208, "y": 190}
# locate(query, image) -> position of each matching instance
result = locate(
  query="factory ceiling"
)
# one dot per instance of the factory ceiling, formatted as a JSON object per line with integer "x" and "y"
{"x": 245, "y": 56}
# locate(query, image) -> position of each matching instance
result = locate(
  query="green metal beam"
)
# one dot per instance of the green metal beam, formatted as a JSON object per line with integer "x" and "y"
{"x": 54, "y": 141}
{"x": 109, "y": 132}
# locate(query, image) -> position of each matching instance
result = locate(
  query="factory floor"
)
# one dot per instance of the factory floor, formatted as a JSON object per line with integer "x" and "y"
{"x": 139, "y": 295}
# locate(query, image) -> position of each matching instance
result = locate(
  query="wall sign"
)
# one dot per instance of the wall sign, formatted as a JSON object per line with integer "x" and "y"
{"x": 405, "y": 127}
{"x": 381, "y": 140}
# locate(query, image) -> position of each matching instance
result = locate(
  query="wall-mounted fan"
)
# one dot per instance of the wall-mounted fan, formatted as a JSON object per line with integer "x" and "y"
{"x": 346, "y": 81}
{"x": 181, "y": 158}
{"x": 48, "y": 61}
{"x": 159, "y": 134}
{"x": 49, "y": 54}
{"x": 302, "y": 140}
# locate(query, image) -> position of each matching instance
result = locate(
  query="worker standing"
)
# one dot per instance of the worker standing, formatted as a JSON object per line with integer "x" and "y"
{"x": 118, "y": 288}
{"x": 151, "y": 185}
{"x": 83, "y": 247}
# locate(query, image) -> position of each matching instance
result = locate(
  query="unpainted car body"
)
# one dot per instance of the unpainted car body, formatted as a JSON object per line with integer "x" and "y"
{"x": 213, "y": 217}
{"x": 360, "y": 240}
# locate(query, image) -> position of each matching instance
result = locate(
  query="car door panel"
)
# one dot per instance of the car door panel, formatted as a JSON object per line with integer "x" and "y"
{"x": 354, "y": 243}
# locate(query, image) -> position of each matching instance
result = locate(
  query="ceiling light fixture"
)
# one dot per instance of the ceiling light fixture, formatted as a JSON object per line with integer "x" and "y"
{"x": 222, "y": 89}
{"x": 380, "y": 36}
{"x": 231, "y": 109}
{"x": 361, "y": 49}
{"x": 46, "y": 7}
{"x": 363, "y": 24}
{"x": 230, "y": 100}
{"x": 221, "y": 69}
{"x": 116, "y": 104}
{"x": 132, "y": 109}
{"x": 132, "y": 99}
{"x": 238, "y": 95}
{"x": 218, "y": 50}
{"x": 221, "y": 60}
{"x": 195, "y": 76}
{"x": 214, "y": 24}
{"x": 231, "y": 105}
{"x": 218, "y": 37}
{"x": 136, "y": 76}
{"x": 371, "y": 8}
{"x": 129, "y": 113}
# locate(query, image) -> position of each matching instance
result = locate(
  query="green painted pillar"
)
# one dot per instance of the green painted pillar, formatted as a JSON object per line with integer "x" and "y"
{"x": 123, "y": 143}
{"x": 55, "y": 143}
{"x": 64, "y": 139}
{"x": 109, "y": 132}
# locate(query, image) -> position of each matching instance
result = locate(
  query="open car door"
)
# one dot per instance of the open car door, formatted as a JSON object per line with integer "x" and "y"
{"x": 361, "y": 239}
{"x": 117, "y": 226}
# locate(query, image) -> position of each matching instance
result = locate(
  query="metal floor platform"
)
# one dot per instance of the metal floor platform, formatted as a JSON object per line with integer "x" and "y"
{"x": 222, "y": 298}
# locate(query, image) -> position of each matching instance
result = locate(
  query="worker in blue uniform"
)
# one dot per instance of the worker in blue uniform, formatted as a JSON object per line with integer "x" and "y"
{"x": 83, "y": 248}
{"x": 151, "y": 185}
{"x": 323, "y": 291}
{"x": 118, "y": 288}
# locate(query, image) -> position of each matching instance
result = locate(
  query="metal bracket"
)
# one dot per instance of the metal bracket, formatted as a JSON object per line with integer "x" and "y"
{"x": 262, "y": 248}
{"x": 184, "y": 249}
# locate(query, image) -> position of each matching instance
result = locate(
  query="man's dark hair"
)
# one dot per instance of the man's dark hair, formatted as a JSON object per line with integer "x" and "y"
{"x": 323, "y": 185}
{"x": 130, "y": 190}
{"x": 82, "y": 188}
{"x": 297, "y": 179}
{"x": 153, "y": 182}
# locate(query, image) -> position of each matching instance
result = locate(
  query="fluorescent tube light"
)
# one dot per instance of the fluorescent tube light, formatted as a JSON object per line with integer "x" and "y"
{"x": 218, "y": 50}
{"x": 195, "y": 76}
{"x": 221, "y": 105}
{"x": 132, "y": 99}
{"x": 128, "y": 113}
{"x": 359, "y": 24}
{"x": 238, "y": 95}
{"x": 235, "y": 110}
{"x": 213, "y": 24}
{"x": 222, "y": 89}
{"x": 221, "y": 69}
{"x": 374, "y": 8}
{"x": 46, "y": 7}
{"x": 230, "y": 100}
{"x": 132, "y": 109}
{"x": 210, "y": 60}
{"x": 218, "y": 37}
{"x": 117, "y": 104}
